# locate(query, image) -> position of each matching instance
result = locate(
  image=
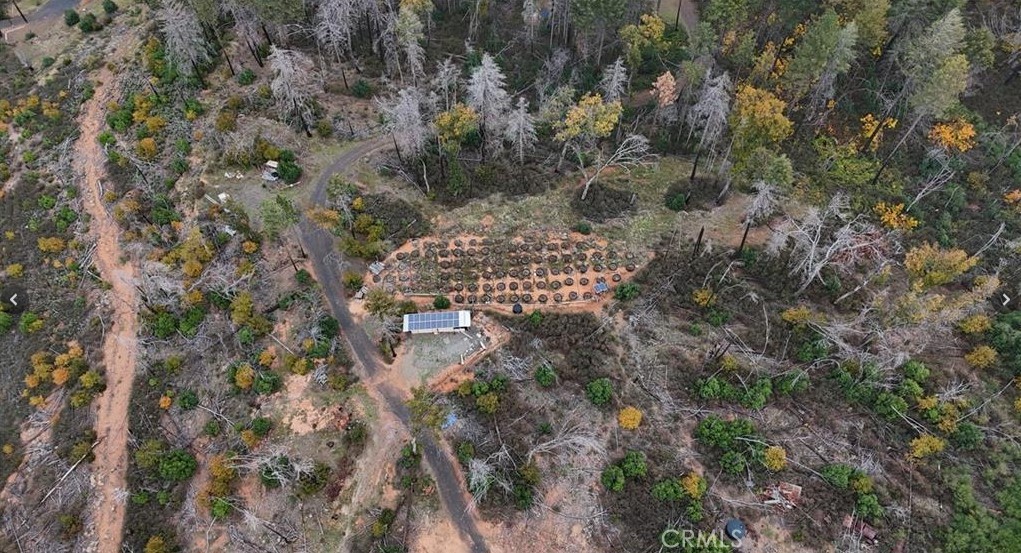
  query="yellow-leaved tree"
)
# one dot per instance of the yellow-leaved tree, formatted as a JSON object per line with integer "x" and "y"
{"x": 455, "y": 125}
{"x": 981, "y": 357}
{"x": 757, "y": 120}
{"x": 930, "y": 265}
{"x": 957, "y": 134}
{"x": 892, "y": 216}
{"x": 629, "y": 418}
{"x": 775, "y": 458}
{"x": 582, "y": 129}
{"x": 648, "y": 33}
{"x": 927, "y": 445}
{"x": 591, "y": 118}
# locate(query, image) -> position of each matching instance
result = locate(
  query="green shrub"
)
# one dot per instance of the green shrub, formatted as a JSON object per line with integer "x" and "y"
{"x": 6, "y": 322}
{"x": 868, "y": 507}
{"x": 109, "y": 7}
{"x": 303, "y": 277}
{"x": 48, "y": 61}
{"x": 967, "y": 436}
{"x": 47, "y": 202}
{"x": 545, "y": 376}
{"x": 26, "y": 324}
{"x": 488, "y": 403}
{"x": 757, "y": 395}
{"x": 599, "y": 391}
{"x": 714, "y": 388}
{"x": 267, "y": 383}
{"x": 311, "y": 482}
{"x": 89, "y": 24}
{"x": 441, "y": 302}
{"x": 163, "y": 325}
{"x": 71, "y": 18}
{"x": 633, "y": 464}
{"x": 289, "y": 171}
{"x": 246, "y": 77}
{"x": 677, "y": 202}
{"x": 524, "y": 497}
{"x": 582, "y": 227}
{"x": 668, "y": 490}
{"x": 465, "y": 452}
{"x": 362, "y": 89}
{"x": 733, "y": 462}
{"x": 915, "y": 370}
{"x": 261, "y": 426}
{"x": 329, "y": 327}
{"x": 717, "y": 317}
{"x": 177, "y": 465}
{"x": 220, "y": 508}
{"x": 613, "y": 478}
{"x": 188, "y": 400}
{"x": 890, "y": 406}
{"x": 211, "y": 429}
{"x": 838, "y": 475}
{"x": 626, "y": 291}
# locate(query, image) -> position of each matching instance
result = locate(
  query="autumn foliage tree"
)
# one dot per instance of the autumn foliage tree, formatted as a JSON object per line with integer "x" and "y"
{"x": 929, "y": 265}
{"x": 757, "y": 120}
{"x": 629, "y": 418}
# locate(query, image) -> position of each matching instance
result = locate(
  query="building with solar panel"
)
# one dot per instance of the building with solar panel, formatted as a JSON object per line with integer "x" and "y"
{"x": 437, "y": 321}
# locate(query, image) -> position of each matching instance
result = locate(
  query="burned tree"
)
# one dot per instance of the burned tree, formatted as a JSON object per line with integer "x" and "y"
{"x": 294, "y": 85}
{"x": 186, "y": 46}
{"x": 828, "y": 239}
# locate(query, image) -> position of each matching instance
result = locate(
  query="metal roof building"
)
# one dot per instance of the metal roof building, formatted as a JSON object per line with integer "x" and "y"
{"x": 437, "y": 321}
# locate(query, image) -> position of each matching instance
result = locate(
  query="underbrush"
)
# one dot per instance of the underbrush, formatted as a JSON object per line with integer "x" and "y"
{"x": 603, "y": 203}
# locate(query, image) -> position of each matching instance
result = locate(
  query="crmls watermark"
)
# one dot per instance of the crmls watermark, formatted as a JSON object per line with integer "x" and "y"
{"x": 672, "y": 538}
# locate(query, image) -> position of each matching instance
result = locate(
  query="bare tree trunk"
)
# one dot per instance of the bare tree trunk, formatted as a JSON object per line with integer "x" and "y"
{"x": 397, "y": 149}
{"x": 889, "y": 157}
{"x": 23, "y": 18}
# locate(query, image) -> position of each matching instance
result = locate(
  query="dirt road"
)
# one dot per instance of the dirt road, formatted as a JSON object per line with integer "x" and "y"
{"x": 319, "y": 244}
{"x": 121, "y": 342}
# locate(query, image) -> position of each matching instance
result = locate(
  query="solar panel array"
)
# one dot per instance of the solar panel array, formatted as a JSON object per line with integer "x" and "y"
{"x": 431, "y": 321}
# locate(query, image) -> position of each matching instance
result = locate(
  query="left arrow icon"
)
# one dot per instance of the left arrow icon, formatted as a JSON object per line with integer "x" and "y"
{"x": 14, "y": 300}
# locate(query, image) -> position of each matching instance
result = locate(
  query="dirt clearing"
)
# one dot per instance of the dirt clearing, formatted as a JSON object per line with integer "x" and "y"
{"x": 120, "y": 344}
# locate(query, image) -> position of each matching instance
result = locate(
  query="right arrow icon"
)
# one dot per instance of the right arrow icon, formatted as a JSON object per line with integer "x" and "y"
{"x": 1006, "y": 299}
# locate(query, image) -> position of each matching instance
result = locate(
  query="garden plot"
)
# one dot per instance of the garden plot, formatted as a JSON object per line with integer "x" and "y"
{"x": 428, "y": 355}
{"x": 532, "y": 269}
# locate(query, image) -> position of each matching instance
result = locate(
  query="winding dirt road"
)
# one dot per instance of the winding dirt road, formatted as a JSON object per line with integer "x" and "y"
{"x": 120, "y": 343}
{"x": 320, "y": 246}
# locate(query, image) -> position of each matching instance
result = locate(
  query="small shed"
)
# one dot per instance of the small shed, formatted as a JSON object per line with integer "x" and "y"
{"x": 270, "y": 171}
{"x": 437, "y": 321}
{"x": 600, "y": 288}
{"x": 376, "y": 267}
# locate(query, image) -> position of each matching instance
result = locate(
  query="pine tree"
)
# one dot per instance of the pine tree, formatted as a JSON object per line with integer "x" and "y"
{"x": 812, "y": 55}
